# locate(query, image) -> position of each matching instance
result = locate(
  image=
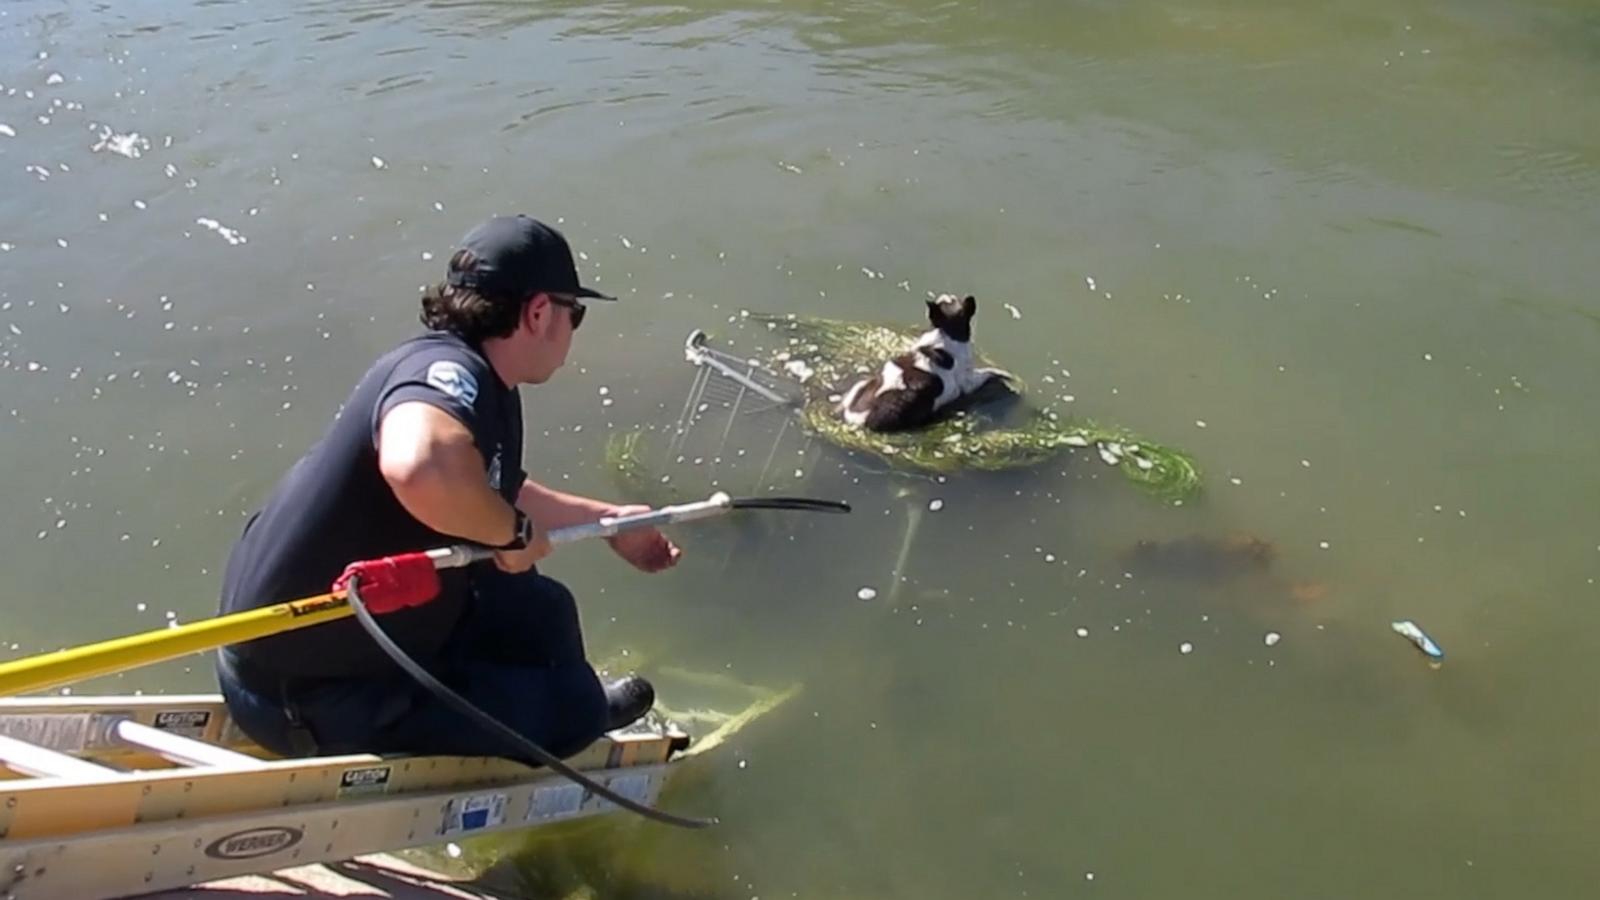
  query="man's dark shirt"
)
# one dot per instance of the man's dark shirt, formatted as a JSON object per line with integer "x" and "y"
{"x": 334, "y": 507}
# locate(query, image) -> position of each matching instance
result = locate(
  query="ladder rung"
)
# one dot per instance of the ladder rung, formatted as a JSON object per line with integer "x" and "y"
{"x": 180, "y": 749}
{"x": 32, "y": 759}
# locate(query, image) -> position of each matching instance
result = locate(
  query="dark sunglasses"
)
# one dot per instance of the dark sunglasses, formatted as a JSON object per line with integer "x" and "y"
{"x": 574, "y": 307}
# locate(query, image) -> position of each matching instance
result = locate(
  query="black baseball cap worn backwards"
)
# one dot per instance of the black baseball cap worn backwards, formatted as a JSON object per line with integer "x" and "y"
{"x": 517, "y": 257}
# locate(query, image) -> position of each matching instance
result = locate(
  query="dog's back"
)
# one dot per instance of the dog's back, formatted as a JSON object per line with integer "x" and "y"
{"x": 902, "y": 397}
{"x": 912, "y": 388}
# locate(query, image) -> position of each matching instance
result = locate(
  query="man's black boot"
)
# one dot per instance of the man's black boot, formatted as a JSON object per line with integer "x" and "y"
{"x": 627, "y": 699}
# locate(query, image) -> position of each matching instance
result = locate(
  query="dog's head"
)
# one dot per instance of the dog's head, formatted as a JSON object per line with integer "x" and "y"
{"x": 953, "y": 315}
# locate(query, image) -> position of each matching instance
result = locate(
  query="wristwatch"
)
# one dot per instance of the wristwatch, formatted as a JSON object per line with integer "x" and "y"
{"x": 523, "y": 534}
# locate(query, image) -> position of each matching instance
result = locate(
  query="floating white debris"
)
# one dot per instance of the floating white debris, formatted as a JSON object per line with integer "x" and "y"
{"x": 1199, "y": 423}
{"x": 627, "y": 244}
{"x": 7, "y": 247}
{"x": 1083, "y": 632}
{"x": 7, "y": 130}
{"x": 1089, "y": 280}
{"x": 1015, "y": 313}
{"x": 789, "y": 167}
{"x": 935, "y": 505}
{"x": 1413, "y": 632}
{"x": 1109, "y": 457}
{"x": 1323, "y": 545}
{"x": 799, "y": 369}
{"x": 131, "y": 145}
{"x": 378, "y": 163}
{"x": 604, "y": 391}
{"x": 1272, "y": 638}
{"x": 1186, "y": 648}
{"x": 14, "y": 328}
{"x": 454, "y": 849}
{"x": 232, "y": 236}
{"x": 1075, "y": 440}
{"x": 55, "y": 78}
{"x": 867, "y": 593}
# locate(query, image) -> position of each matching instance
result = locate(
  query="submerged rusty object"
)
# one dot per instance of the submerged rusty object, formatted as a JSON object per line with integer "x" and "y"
{"x": 1212, "y": 560}
{"x": 1201, "y": 557}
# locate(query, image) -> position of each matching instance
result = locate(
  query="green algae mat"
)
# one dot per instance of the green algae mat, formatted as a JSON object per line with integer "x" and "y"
{"x": 822, "y": 357}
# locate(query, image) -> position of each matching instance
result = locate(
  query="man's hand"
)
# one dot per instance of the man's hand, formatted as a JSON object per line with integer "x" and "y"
{"x": 515, "y": 561}
{"x": 646, "y": 549}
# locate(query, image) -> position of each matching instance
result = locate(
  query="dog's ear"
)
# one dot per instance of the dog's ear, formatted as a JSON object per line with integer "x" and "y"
{"x": 969, "y": 306}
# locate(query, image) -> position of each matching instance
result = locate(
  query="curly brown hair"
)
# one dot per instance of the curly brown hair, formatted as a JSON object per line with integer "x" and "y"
{"x": 467, "y": 312}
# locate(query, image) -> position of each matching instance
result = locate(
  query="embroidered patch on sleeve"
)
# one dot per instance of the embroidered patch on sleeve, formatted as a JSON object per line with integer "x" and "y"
{"x": 454, "y": 379}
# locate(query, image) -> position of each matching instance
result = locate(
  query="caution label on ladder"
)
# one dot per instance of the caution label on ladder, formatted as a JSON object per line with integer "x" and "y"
{"x": 187, "y": 722}
{"x": 365, "y": 780}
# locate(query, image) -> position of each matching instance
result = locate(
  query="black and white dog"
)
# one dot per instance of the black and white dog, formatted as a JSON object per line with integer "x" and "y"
{"x": 913, "y": 387}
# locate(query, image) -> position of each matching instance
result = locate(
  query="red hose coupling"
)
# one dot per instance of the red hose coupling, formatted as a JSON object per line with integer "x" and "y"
{"x": 392, "y": 582}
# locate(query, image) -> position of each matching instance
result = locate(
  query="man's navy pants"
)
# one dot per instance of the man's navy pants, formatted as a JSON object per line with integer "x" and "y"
{"x": 517, "y": 654}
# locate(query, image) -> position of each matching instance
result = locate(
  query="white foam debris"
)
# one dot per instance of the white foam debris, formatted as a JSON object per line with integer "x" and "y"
{"x": 867, "y": 593}
{"x": 55, "y": 78}
{"x": 7, "y": 247}
{"x": 799, "y": 369}
{"x": 378, "y": 163}
{"x": 132, "y": 145}
{"x": 1089, "y": 280}
{"x": 1083, "y": 632}
{"x": 1015, "y": 313}
{"x": 7, "y": 130}
{"x": 1186, "y": 648}
{"x": 232, "y": 236}
{"x": 1199, "y": 423}
{"x": 790, "y": 167}
{"x": 627, "y": 244}
{"x": 935, "y": 505}
{"x": 1272, "y": 638}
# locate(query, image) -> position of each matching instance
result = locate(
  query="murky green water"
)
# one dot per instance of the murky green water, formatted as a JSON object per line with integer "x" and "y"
{"x": 1356, "y": 242}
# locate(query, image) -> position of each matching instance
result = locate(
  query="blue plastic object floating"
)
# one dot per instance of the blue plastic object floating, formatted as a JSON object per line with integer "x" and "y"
{"x": 1412, "y": 632}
